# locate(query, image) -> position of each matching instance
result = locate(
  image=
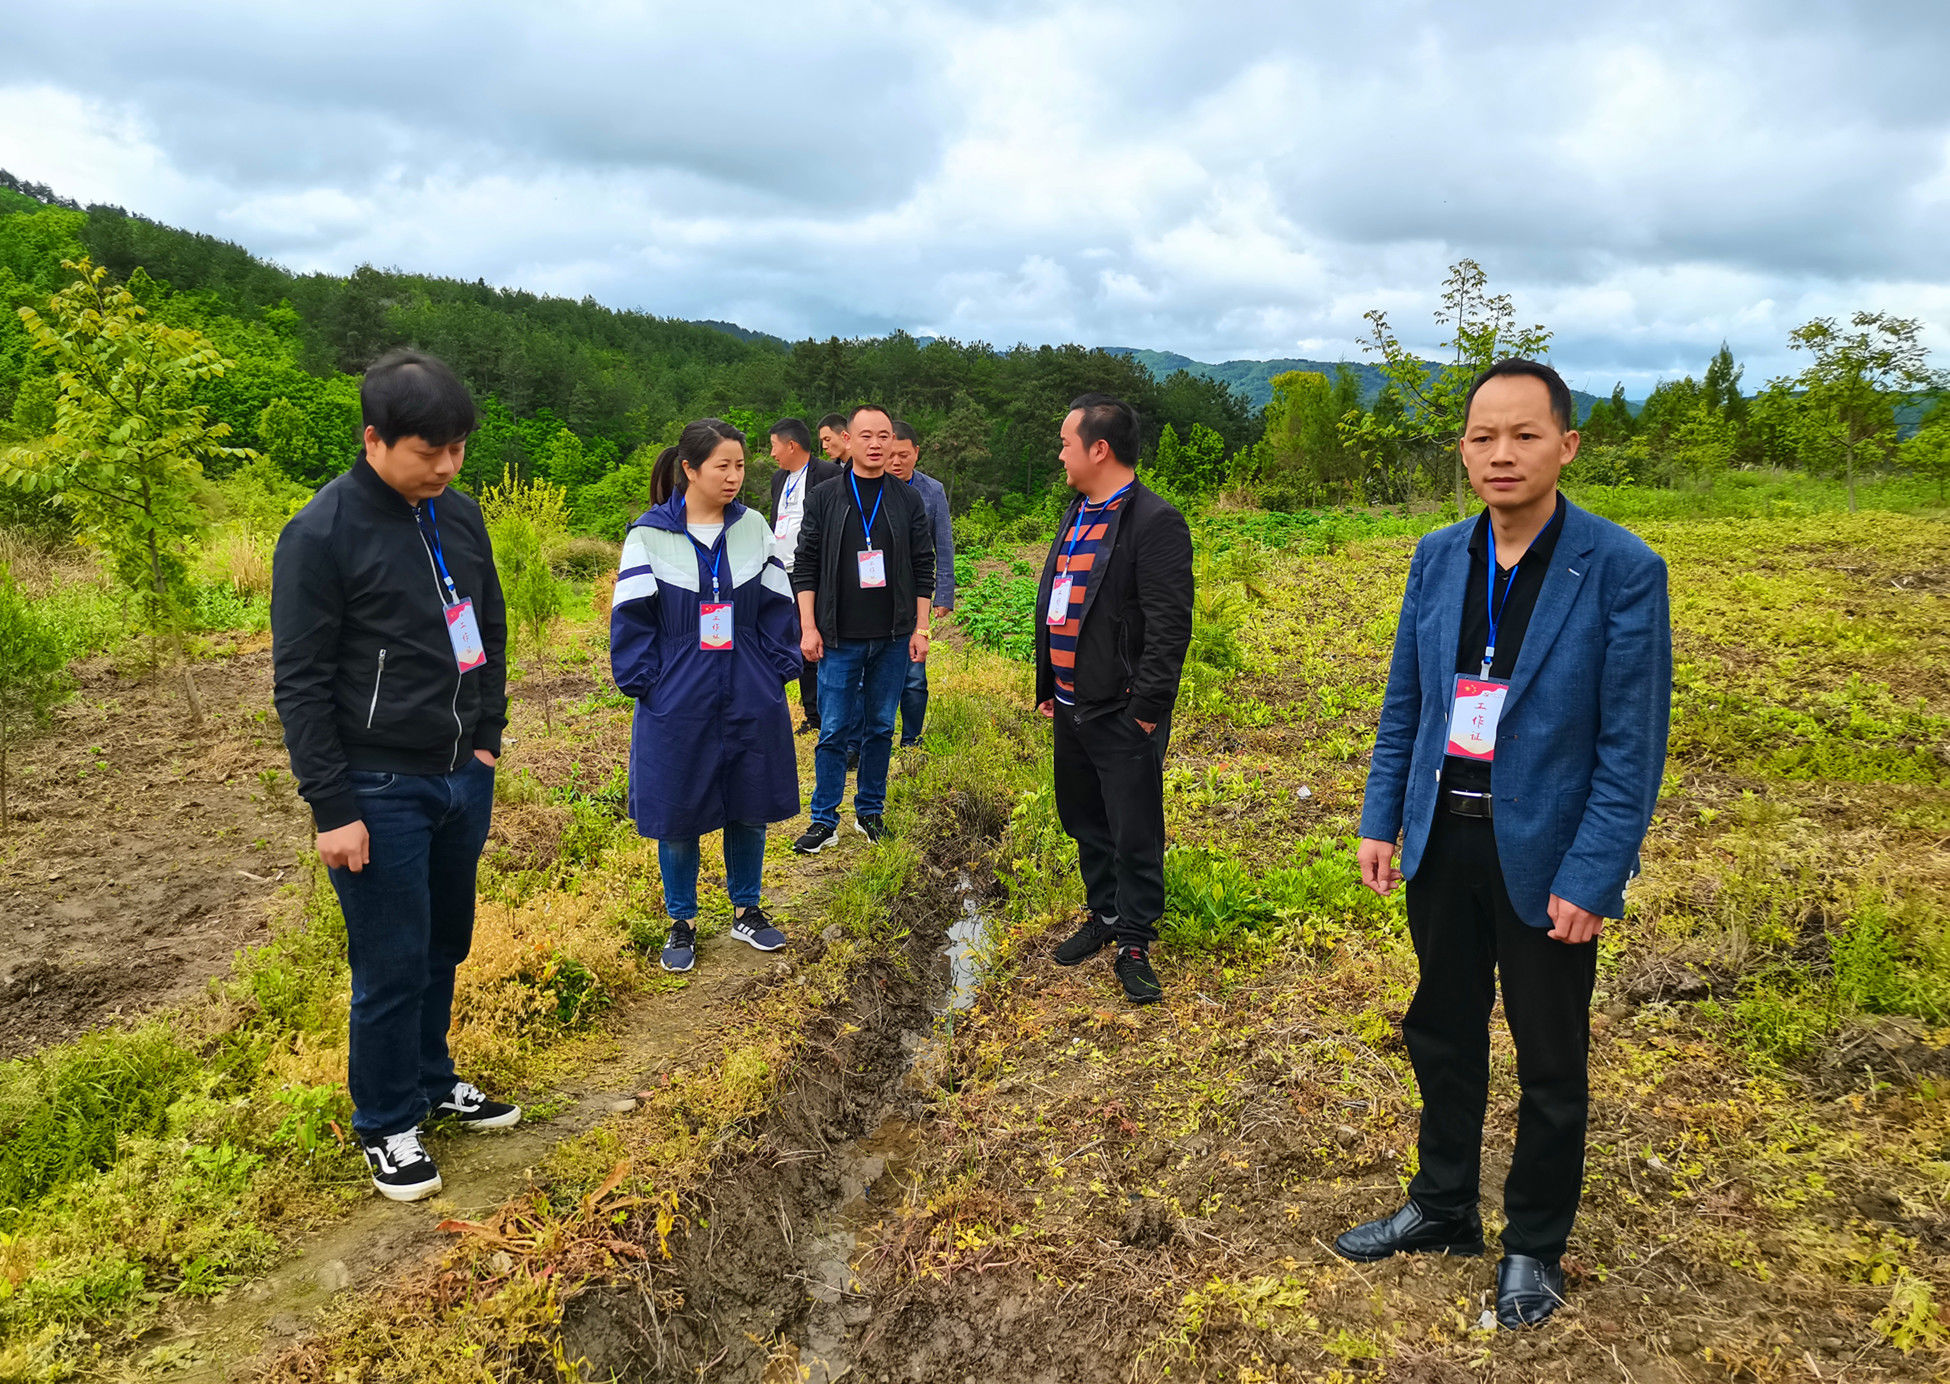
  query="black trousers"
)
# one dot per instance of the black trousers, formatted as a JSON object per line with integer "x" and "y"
{"x": 1110, "y": 797}
{"x": 809, "y": 693}
{"x": 1466, "y": 934}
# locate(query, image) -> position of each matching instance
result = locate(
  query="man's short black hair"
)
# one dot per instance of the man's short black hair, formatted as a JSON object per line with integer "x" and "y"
{"x": 792, "y": 430}
{"x": 1108, "y": 419}
{"x": 1562, "y": 409}
{"x": 859, "y": 409}
{"x": 836, "y": 421}
{"x": 411, "y": 394}
{"x": 904, "y": 430}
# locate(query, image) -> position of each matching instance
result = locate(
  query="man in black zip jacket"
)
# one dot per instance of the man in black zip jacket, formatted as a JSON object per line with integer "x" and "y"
{"x": 388, "y": 641}
{"x": 864, "y": 576}
{"x": 1114, "y": 618}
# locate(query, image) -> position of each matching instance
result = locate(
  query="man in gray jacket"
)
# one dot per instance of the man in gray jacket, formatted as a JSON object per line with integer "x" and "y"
{"x": 901, "y": 461}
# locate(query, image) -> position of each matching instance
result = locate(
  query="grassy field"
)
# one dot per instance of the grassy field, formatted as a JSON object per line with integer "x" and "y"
{"x": 1050, "y": 1185}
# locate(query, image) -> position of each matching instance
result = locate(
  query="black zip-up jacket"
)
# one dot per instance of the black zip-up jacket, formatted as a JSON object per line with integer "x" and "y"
{"x": 1137, "y": 612}
{"x": 903, "y": 532}
{"x": 364, "y": 671}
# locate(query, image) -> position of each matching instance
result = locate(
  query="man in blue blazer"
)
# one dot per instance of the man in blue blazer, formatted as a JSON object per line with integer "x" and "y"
{"x": 1520, "y": 751}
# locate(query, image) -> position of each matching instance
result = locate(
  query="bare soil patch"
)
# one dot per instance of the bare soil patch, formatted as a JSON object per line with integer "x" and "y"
{"x": 144, "y": 851}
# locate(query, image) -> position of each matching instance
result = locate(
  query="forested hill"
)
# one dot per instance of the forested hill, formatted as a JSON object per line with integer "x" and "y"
{"x": 1254, "y": 378}
{"x": 570, "y": 390}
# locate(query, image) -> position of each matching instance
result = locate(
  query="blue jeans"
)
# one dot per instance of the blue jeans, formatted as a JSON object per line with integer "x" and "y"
{"x": 744, "y": 867}
{"x": 860, "y": 681}
{"x": 914, "y": 703}
{"x": 913, "y": 709}
{"x": 409, "y": 920}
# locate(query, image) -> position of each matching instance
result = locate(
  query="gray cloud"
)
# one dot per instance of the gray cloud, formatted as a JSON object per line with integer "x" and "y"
{"x": 1225, "y": 181}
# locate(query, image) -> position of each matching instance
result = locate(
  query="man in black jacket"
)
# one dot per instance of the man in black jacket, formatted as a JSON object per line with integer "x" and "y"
{"x": 864, "y": 575}
{"x": 799, "y": 472}
{"x": 1114, "y": 618}
{"x": 388, "y": 638}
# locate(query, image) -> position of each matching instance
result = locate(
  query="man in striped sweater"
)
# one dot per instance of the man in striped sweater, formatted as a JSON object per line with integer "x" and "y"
{"x": 1114, "y": 621}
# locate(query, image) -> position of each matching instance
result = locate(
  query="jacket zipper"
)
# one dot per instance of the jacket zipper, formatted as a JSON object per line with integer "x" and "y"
{"x": 440, "y": 595}
{"x": 373, "y": 710}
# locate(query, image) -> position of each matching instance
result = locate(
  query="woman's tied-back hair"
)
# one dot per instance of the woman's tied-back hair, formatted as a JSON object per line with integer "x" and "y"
{"x": 666, "y": 477}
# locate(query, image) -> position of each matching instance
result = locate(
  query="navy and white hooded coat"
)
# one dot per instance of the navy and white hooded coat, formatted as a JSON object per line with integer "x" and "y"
{"x": 711, "y": 741}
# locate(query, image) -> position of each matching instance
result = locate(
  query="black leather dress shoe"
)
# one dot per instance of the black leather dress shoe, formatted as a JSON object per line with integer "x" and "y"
{"x": 1410, "y": 1231}
{"x": 1527, "y": 1291}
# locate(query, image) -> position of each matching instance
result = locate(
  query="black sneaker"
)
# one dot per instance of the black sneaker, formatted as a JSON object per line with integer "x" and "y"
{"x": 470, "y": 1105}
{"x": 755, "y": 929}
{"x": 1085, "y": 942}
{"x": 870, "y": 827}
{"x": 680, "y": 952}
{"x": 808, "y": 728}
{"x": 1133, "y": 968}
{"x": 817, "y": 838}
{"x": 401, "y": 1169}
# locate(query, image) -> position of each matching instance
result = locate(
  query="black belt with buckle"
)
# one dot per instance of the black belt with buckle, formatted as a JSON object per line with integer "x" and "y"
{"x": 1465, "y": 804}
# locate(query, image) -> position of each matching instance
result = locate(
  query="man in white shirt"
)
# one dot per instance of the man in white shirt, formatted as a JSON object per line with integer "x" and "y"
{"x": 799, "y": 471}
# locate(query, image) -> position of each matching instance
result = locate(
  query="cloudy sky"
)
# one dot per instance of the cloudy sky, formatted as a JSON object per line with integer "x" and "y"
{"x": 1224, "y": 179}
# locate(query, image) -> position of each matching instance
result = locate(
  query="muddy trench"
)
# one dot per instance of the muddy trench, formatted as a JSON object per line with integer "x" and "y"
{"x": 763, "y": 1286}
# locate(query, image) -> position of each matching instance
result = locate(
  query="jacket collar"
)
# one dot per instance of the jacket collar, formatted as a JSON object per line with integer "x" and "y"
{"x": 375, "y": 486}
{"x": 669, "y": 516}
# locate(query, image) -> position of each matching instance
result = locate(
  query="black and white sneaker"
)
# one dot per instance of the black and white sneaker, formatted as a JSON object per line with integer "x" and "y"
{"x": 471, "y": 1107}
{"x": 680, "y": 951}
{"x": 755, "y": 929}
{"x": 401, "y": 1168}
{"x": 870, "y": 827}
{"x": 817, "y": 838}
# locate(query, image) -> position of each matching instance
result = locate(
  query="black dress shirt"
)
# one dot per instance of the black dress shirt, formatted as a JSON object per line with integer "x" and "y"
{"x": 1521, "y": 583}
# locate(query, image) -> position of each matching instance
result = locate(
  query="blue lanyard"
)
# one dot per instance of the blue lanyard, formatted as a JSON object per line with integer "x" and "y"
{"x": 866, "y": 520}
{"x": 1492, "y": 607}
{"x": 715, "y": 552}
{"x": 432, "y": 534}
{"x": 1083, "y": 513}
{"x": 792, "y": 486}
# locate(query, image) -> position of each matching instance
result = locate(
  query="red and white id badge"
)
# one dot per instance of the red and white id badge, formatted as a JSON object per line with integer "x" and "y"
{"x": 873, "y": 568}
{"x": 714, "y": 624}
{"x": 1059, "y": 600}
{"x": 1473, "y": 714}
{"x": 464, "y": 632}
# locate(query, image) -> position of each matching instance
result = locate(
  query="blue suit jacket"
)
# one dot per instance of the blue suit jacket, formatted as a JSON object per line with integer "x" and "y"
{"x": 1581, "y": 745}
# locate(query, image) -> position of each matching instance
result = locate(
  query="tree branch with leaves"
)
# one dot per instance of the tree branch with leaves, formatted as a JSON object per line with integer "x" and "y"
{"x": 128, "y": 443}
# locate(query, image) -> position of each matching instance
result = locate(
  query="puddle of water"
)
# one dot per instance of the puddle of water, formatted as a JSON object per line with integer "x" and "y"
{"x": 966, "y": 939}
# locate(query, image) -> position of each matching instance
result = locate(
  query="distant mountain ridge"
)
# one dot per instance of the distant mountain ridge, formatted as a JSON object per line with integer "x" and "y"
{"x": 1254, "y": 378}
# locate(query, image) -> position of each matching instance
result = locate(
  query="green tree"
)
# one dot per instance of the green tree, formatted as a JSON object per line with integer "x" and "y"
{"x": 1609, "y": 422}
{"x": 1305, "y": 450}
{"x": 1722, "y": 385}
{"x": 1482, "y": 329}
{"x": 33, "y": 673}
{"x": 1768, "y": 436}
{"x": 1927, "y": 454}
{"x": 1853, "y": 381}
{"x": 957, "y": 453}
{"x": 1191, "y": 467}
{"x": 128, "y": 444}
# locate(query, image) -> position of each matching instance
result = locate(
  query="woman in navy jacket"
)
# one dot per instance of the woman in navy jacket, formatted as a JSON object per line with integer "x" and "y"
{"x": 703, "y": 633}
